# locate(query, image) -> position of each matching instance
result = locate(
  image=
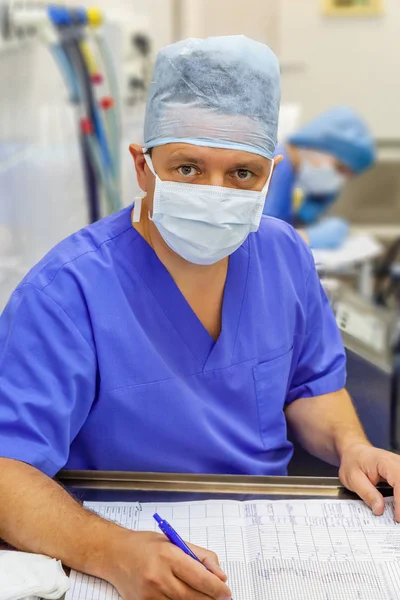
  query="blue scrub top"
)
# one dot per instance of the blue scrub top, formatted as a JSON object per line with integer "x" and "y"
{"x": 103, "y": 364}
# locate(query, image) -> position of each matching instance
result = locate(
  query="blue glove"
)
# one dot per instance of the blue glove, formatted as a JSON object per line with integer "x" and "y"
{"x": 328, "y": 234}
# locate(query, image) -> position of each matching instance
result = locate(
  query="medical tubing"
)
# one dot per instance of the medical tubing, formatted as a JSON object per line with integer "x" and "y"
{"x": 90, "y": 180}
{"x": 102, "y": 175}
{"x": 98, "y": 138}
{"x": 67, "y": 72}
{"x": 85, "y": 94}
{"x": 114, "y": 89}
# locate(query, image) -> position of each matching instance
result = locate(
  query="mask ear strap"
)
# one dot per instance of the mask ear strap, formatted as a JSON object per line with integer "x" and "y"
{"x": 149, "y": 162}
{"x": 266, "y": 186}
{"x": 137, "y": 210}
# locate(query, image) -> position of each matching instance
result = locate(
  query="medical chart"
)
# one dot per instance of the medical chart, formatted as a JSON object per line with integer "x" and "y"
{"x": 276, "y": 549}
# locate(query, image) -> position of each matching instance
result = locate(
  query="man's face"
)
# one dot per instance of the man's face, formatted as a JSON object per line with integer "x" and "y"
{"x": 188, "y": 163}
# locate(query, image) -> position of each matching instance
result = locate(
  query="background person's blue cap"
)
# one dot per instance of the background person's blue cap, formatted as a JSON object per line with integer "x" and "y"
{"x": 342, "y": 133}
{"x": 222, "y": 92}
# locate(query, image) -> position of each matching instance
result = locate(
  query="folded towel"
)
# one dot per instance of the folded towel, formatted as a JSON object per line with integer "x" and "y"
{"x": 23, "y": 575}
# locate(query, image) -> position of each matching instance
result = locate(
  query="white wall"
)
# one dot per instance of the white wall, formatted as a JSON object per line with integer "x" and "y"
{"x": 157, "y": 12}
{"x": 355, "y": 61}
{"x": 257, "y": 19}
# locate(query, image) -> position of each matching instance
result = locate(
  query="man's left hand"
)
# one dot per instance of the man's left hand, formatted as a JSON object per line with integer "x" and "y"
{"x": 363, "y": 467}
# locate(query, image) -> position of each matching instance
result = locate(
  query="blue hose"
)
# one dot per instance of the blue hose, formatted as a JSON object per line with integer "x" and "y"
{"x": 67, "y": 71}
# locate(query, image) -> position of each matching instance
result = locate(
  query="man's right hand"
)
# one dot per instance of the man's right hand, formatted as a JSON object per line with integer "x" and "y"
{"x": 37, "y": 515}
{"x": 146, "y": 566}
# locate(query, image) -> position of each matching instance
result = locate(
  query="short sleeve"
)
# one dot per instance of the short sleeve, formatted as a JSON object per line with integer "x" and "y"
{"x": 321, "y": 364}
{"x": 47, "y": 380}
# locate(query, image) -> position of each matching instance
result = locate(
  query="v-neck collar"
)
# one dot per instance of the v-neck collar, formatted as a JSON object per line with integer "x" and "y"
{"x": 208, "y": 353}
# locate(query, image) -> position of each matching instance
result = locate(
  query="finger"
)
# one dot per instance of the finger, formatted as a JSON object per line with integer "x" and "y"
{"x": 210, "y": 561}
{"x": 194, "y": 574}
{"x": 391, "y": 475}
{"x": 178, "y": 590}
{"x": 214, "y": 567}
{"x": 396, "y": 495}
{"x": 361, "y": 485}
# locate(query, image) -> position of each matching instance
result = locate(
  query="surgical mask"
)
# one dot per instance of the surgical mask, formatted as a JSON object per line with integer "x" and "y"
{"x": 205, "y": 223}
{"x": 319, "y": 179}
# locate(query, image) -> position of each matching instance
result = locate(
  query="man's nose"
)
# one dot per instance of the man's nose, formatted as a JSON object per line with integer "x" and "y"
{"x": 216, "y": 178}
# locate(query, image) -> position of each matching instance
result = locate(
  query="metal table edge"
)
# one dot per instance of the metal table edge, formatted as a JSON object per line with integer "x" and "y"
{"x": 179, "y": 482}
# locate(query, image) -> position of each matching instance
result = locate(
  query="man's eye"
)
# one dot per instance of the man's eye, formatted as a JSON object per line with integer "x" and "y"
{"x": 243, "y": 174}
{"x": 187, "y": 171}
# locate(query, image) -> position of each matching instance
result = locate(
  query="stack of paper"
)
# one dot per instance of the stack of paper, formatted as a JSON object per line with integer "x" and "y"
{"x": 272, "y": 550}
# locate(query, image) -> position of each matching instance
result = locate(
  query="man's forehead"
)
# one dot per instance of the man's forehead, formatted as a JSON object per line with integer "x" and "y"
{"x": 178, "y": 151}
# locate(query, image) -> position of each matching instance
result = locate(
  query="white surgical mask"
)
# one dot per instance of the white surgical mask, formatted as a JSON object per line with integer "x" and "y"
{"x": 319, "y": 177}
{"x": 205, "y": 223}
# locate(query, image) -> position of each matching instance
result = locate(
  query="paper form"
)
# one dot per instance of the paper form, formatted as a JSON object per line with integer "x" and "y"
{"x": 276, "y": 549}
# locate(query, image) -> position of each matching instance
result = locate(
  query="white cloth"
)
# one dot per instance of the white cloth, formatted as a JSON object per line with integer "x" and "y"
{"x": 23, "y": 575}
{"x": 356, "y": 249}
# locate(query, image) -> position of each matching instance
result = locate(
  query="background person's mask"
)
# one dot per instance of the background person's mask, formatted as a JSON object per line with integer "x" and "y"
{"x": 318, "y": 175}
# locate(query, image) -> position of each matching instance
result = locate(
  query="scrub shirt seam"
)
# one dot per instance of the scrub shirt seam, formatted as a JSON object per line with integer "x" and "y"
{"x": 68, "y": 262}
{"x": 63, "y": 311}
{"x": 11, "y": 329}
{"x": 259, "y": 418}
{"x": 242, "y": 304}
{"x": 46, "y": 458}
{"x": 311, "y": 264}
{"x": 329, "y": 382}
{"x": 201, "y": 372}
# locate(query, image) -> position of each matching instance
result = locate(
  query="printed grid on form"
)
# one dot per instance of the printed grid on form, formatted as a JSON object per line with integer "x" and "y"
{"x": 294, "y": 550}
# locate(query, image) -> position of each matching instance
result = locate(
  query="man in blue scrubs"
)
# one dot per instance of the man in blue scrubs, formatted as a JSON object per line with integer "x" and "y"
{"x": 178, "y": 335}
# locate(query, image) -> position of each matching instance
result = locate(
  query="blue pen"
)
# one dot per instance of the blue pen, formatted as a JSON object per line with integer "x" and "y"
{"x": 174, "y": 537}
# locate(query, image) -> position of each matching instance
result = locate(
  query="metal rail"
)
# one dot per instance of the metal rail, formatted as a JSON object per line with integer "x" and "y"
{"x": 224, "y": 484}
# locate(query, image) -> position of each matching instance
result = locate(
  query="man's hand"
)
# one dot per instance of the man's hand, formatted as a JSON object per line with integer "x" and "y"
{"x": 363, "y": 467}
{"x": 146, "y": 566}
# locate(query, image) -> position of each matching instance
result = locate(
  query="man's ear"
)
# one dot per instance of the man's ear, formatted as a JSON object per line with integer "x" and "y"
{"x": 140, "y": 165}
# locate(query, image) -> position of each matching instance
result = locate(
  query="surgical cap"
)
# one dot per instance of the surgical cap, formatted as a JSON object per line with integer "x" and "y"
{"x": 342, "y": 133}
{"x": 222, "y": 92}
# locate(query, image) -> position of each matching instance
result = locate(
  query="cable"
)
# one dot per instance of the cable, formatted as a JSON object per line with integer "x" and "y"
{"x": 111, "y": 194}
{"x": 67, "y": 71}
{"x": 90, "y": 179}
{"x": 60, "y": 18}
{"x": 115, "y": 114}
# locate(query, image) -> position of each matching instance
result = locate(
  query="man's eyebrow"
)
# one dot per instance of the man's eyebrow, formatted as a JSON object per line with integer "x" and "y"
{"x": 180, "y": 156}
{"x": 256, "y": 166}
{"x": 186, "y": 158}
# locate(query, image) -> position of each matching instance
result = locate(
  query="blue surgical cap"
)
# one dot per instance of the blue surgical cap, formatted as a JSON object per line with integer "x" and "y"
{"x": 342, "y": 133}
{"x": 222, "y": 92}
